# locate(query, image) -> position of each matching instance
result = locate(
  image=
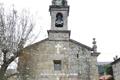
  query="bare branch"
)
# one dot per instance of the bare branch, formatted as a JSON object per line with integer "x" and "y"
{"x": 15, "y": 30}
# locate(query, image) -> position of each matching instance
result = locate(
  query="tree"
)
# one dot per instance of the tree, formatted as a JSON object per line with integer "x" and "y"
{"x": 15, "y": 31}
{"x": 108, "y": 70}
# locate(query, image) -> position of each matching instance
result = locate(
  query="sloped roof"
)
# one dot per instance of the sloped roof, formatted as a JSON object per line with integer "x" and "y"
{"x": 83, "y": 45}
{"x": 71, "y": 40}
{"x": 37, "y": 43}
{"x": 116, "y": 61}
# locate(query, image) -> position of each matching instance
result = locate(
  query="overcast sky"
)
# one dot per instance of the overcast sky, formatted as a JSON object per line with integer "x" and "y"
{"x": 87, "y": 19}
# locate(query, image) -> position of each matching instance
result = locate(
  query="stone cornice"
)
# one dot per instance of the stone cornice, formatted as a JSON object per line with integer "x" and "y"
{"x": 96, "y": 54}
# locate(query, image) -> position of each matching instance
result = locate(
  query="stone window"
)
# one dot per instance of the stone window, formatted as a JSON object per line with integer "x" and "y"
{"x": 77, "y": 55}
{"x": 57, "y": 65}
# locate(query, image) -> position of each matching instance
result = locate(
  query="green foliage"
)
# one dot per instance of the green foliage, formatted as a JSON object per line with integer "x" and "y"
{"x": 108, "y": 69}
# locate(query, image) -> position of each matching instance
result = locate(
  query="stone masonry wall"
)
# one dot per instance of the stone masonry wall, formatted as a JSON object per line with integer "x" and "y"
{"x": 38, "y": 63}
{"x": 116, "y": 70}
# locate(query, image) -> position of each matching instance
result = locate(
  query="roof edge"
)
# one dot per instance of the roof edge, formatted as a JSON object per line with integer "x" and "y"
{"x": 36, "y": 43}
{"x": 81, "y": 44}
{"x": 115, "y": 61}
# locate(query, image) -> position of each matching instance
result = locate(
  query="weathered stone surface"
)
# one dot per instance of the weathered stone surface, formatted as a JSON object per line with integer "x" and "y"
{"x": 116, "y": 69}
{"x": 76, "y": 60}
{"x": 37, "y": 61}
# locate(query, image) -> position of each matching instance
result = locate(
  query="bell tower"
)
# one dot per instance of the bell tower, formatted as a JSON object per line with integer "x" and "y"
{"x": 59, "y": 12}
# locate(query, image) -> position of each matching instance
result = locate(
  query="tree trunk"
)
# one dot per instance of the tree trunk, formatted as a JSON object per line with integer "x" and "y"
{"x": 5, "y": 65}
{"x": 2, "y": 75}
{"x": 3, "y": 71}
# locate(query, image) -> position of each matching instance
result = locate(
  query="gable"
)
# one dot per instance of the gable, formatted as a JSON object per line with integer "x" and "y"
{"x": 71, "y": 40}
{"x": 36, "y": 44}
{"x": 80, "y": 44}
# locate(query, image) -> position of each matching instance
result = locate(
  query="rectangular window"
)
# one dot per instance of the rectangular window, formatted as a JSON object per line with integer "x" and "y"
{"x": 57, "y": 65}
{"x": 77, "y": 55}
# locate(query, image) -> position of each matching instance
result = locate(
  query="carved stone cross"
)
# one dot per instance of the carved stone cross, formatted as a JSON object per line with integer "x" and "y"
{"x": 58, "y": 46}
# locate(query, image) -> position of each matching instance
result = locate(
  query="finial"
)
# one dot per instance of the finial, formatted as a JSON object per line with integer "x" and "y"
{"x": 59, "y": 2}
{"x": 94, "y": 45}
{"x": 94, "y": 41}
{"x": 115, "y": 58}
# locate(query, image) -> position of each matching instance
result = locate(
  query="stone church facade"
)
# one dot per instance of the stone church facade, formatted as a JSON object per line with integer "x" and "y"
{"x": 58, "y": 57}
